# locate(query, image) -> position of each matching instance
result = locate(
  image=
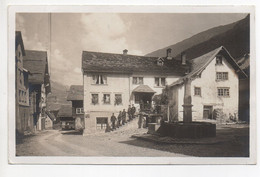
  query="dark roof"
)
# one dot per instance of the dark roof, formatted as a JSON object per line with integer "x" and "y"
{"x": 19, "y": 40}
{"x": 200, "y": 63}
{"x": 37, "y": 64}
{"x": 75, "y": 93}
{"x": 51, "y": 115}
{"x": 65, "y": 111}
{"x": 143, "y": 89}
{"x": 120, "y": 63}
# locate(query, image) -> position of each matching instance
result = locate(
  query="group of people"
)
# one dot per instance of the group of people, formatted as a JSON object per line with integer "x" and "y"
{"x": 121, "y": 119}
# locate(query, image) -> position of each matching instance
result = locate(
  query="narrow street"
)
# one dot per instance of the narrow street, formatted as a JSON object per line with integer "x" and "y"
{"x": 119, "y": 143}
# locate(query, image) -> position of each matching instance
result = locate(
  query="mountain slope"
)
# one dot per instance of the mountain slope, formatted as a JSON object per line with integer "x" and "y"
{"x": 234, "y": 37}
{"x": 58, "y": 96}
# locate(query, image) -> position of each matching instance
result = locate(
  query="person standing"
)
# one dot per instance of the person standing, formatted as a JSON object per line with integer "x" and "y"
{"x": 129, "y": 112}
{"x": 140, "y": 121}
{"x": 119, "y": 118}
{"x": 133, "y": 110}
{"x": 113, "y": 120}
{"x": 123, "y": 117}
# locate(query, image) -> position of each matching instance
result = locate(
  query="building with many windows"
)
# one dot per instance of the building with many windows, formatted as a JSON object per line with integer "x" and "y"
{"x": 113, "y": 81}
{"x": 214, "y": 87}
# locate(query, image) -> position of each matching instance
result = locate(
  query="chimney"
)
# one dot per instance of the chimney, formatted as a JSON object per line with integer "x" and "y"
{"x": 125, "y": 52}
{"x": 169, "y": 53}
{"x": 183, "y": 58}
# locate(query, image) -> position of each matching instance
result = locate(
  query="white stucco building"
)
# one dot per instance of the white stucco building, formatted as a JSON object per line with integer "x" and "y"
{"x": 214, "y": 87}
{"x": 114, "y": 81}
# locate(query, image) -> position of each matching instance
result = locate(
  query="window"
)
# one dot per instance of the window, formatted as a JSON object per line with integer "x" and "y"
{"x": 79, "y": 111}
{"x": 118, "y": 99}
{"x": 94, "y": 99}
{"x": 197, "y": 91}
{"x": 219, "y": 60}
{"x": 106, "y": 98}
{"x": 102, "y": 122}
{"x": 138, "y": 80}
{"x": 223, "y": 91}
{"x": 159, "y": 81}
{"x": 99, "y": 79}
{"x": 222, "y": 76}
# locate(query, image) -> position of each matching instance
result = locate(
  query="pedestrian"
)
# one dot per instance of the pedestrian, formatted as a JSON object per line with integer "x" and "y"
{"x": 133, "y": 110}
{"x": 129, "y": 112}
{"x": 140, "y": 121}
{"x": 113, "y": 120}
{"x": 123, "y": 117}
{"x": 119, "y": 118}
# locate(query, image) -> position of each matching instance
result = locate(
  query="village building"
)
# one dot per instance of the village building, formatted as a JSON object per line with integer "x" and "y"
{"x": 114, "y": 81}
{"x": 211, "y": 86}
{"x": 23, "y": 121}
{"x": 49, "y": 120}
{"x": 65, "y": 116}
{"x": 76, "y": 95}
{"x": 39, "y": 86}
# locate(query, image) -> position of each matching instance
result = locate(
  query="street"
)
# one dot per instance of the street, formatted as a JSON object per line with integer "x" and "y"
{"x": 234, "y": 143}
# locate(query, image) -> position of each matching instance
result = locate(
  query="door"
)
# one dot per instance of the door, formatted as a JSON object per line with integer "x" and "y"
{"x": 207, "y": 112}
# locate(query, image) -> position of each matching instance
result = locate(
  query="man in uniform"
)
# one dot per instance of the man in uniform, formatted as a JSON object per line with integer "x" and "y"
{"x": 133, "y": 110}
{"x": 113, "y": 120}
{"x": 123, "y": 117}
{"x": 119, "y": 118}
{"x": 129, "y": 112}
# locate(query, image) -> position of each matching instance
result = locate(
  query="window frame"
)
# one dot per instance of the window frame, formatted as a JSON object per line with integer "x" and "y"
{"x": 139, "y": 80}
{"x": 99, "y": 78}
{"x": 197, "y": 90}
{"x": 222, "y": 76}
{"x": 121, "y": 99}
{"x": 219, "y": 60}
{"x": 103, "y": 98}
{"x": 81, "y": 111}
{"x": 101, "y": 125}
{"x": 160, "y": 81}
{"x": 93, "y": 97}
{"x": 225, "y": 91}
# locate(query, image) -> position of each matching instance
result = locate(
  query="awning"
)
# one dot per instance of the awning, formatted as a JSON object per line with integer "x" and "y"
{"x": 143, "y": 89}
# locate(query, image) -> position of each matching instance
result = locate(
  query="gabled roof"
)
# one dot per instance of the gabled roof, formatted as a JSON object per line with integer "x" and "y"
{"x": 120, "y": 63}
{"x": 75, "y": 93}
{"x": 37, "y": 64}
{"x": 200, "y": 63}
{"x": 51, "y": 116}
{"x": 19, "y": 40}
{"x": 143, "y": 89}
{"x": 65, "y": 111}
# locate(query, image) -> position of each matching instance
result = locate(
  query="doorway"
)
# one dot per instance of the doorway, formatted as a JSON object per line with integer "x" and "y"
{"x": 207, "y": 112}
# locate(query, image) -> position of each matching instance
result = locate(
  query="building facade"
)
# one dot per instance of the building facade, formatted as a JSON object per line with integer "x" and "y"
{"x": 39, "y": 86}
{"x": 112, "y": 82}
{"x": 76, "y": 97}
{"x": 23, "y": 121}
{"x": 214, "y": 88}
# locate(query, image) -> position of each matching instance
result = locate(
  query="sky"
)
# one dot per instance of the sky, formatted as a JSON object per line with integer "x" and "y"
{"x": 65, "y": 35}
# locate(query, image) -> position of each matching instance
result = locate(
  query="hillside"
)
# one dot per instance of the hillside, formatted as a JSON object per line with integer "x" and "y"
{"x": 58, "y": 96}
{"x": 234, "y": 37}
